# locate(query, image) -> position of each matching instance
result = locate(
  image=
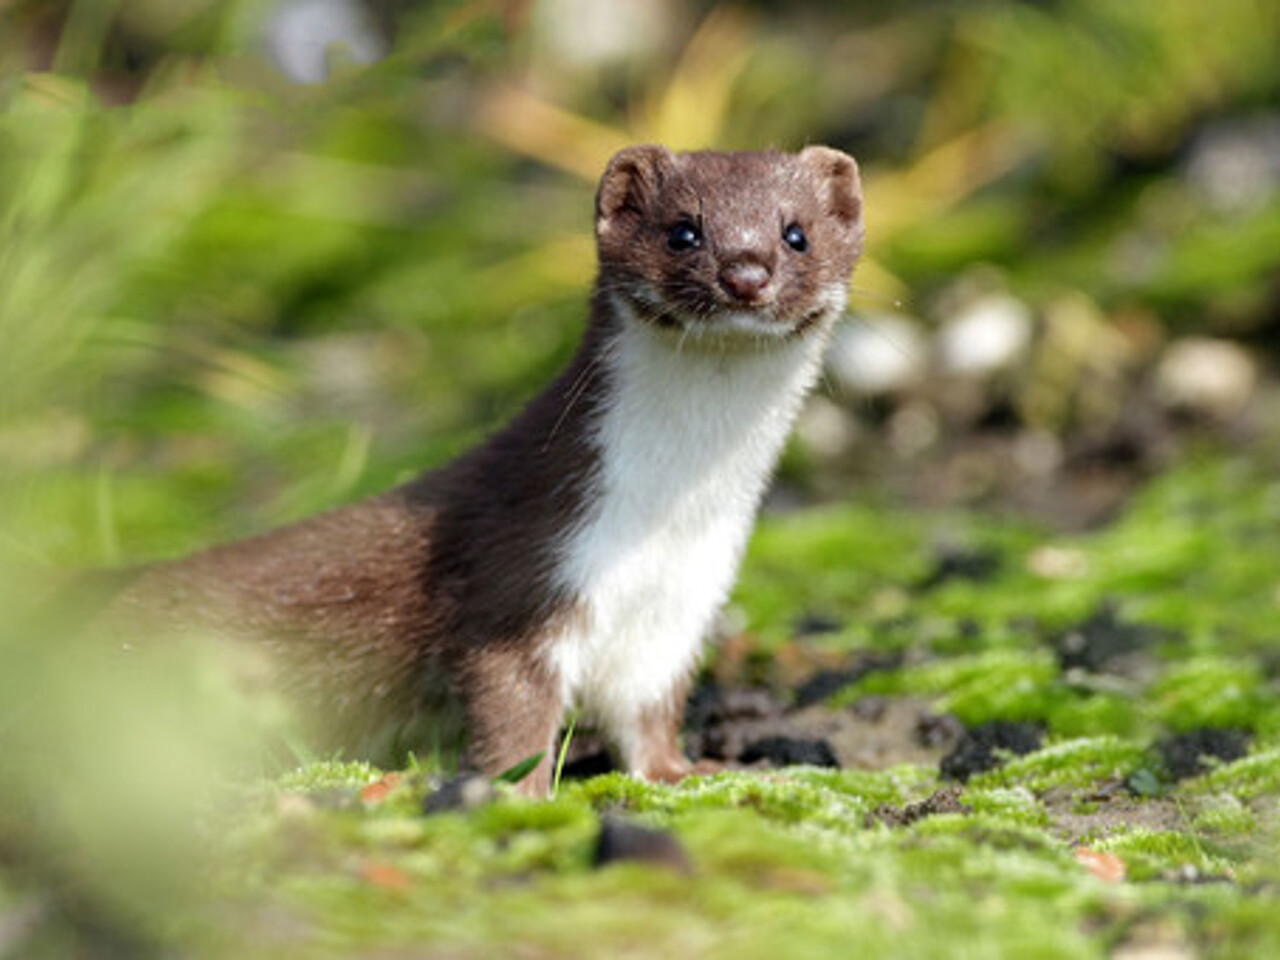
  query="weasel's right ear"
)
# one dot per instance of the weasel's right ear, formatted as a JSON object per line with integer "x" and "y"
{"x": 630, "y": 182}
{"x": 841, "y": 187}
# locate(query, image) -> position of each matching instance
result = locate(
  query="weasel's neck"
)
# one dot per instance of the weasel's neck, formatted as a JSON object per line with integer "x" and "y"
{"x": 694, "y": 428}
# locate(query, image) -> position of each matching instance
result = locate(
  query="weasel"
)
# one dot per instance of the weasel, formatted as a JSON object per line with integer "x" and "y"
{"x": 574, "y": 560}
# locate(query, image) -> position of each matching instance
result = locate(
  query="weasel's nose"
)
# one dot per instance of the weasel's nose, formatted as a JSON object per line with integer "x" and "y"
{"x": 744, "y": 280}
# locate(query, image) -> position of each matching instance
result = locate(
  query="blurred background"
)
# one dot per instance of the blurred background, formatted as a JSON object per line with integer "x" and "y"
{"x": 258, "y": 258}
{"x": 262, "y": 257}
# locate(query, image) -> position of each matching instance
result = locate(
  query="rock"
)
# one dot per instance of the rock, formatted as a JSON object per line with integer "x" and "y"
{"x": 304, "y": 34}
{"x": 825, "y": 429}
{"x": 465, "y": 792}
{"x": 582, "y": 35}
{"x": 877, "y": 355}
{"x": 938, "y": 730}
{"x": 1211, "y": 378}
{"x": 946, "y": 800}
{"x": 1234, "y": 164}
{"x": 622, "y": 840}
{"x": 989, "y": 336}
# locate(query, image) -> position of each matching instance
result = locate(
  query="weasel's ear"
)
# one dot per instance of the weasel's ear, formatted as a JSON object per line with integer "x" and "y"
{"x": 630, "y": 182}
{"x": 838, "y": 172}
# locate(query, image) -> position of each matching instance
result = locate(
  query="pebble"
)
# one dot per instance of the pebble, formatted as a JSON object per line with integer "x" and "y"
{"x": 622, "y": 840}
{"x": 1201, "y": 375}
{"x": 1234, "y": 164}
{"x": 465, "y": 792}
{"x": 877, "y": 355}
{"x": 989, "y": 336}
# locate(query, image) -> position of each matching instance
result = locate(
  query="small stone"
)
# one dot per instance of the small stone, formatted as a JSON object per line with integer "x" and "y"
{"x": 988, "y": 337}
{"x": 1234, "y": 163}
{"x": 1200, "y": 375}
{"x": 1058, "y": 563}
{"x": 938, "y": 730}
{"x": 946, "y": 800}
{"x": 877, "y": 355}
{"x": 301, "y": 34}
{"x": 826, "y": 429}
{"x": 913, "y": 428}
{"x": 465, "y": 792}
{"x": 622, "y": 840}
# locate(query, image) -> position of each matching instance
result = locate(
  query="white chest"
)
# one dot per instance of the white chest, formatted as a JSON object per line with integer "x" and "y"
{"x": 687, "y": 442}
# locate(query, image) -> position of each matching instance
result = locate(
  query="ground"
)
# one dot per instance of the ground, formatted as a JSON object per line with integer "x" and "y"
{"x": 1001, "y": 755}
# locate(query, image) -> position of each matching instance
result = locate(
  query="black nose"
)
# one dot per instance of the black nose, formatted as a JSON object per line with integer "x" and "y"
{"x": 744, "y": 280}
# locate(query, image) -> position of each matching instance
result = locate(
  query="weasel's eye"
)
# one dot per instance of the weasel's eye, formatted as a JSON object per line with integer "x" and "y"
{"x": 794, "y": 238}
{"x": 684, "y": 236}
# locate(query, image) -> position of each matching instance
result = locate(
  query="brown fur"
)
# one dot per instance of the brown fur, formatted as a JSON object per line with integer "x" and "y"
{"x": 646, "y": 190}
{"x": 439, "y": 593}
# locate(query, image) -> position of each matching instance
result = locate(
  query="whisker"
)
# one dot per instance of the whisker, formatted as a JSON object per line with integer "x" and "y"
{"x": 576, "y": 391}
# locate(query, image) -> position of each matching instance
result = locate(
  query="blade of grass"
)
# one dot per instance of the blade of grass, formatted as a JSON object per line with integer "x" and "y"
{"x": 564, "y": 752}
{"x": 518, "y": 771}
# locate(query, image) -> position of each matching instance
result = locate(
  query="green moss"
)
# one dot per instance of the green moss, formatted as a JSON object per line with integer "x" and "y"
{"x": 1210, "y": 691}
{"x": 1014, "y": 805}
{"x": 1248, "y": 778}
{"x": 1072, "y": 764}
{"x": 999, "y": 684}
{"x": 1151, "y": 854}
{"x": 1225, "y": 815}
{"x": 329, "y": 774}
{"x": 789, "y": 797}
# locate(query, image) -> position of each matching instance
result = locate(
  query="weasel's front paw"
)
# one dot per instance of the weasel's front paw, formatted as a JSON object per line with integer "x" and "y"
{"x": 675, "y": 770}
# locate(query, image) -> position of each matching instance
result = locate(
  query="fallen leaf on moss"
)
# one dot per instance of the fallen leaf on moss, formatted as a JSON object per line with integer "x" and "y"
{"x": 376, "y": 792}
{"x": 1107, "y": 867}
{"x": 385, "y": 876}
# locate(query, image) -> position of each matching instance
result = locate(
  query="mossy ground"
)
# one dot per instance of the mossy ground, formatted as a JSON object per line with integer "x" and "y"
{"x": 789, "y": 862}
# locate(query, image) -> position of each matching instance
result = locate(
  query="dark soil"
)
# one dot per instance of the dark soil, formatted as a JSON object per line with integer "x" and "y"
{"x": 789, "y": 751}
{"x": 1189, "y": 754}
{"x": 750, "y": 725}
{"x": 1103, "y": 643}
{"x": 946, "y": 800}
{"x": 828, "y": 682}
{"x": 623, "y": 840}
{"x": 982, "y": 747}
{"x": 975, "y": 565}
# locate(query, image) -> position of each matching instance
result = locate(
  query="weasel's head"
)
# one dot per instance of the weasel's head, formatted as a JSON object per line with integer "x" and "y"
{"x": 730, "y": 245}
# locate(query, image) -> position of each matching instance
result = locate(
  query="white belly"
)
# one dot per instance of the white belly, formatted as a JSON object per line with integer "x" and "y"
{"x": 687, "y": 442}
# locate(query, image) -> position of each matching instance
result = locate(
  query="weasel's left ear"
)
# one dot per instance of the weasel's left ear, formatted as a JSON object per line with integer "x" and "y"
{"x": 629, "y": 185}
{"x": 838, "y": 172}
